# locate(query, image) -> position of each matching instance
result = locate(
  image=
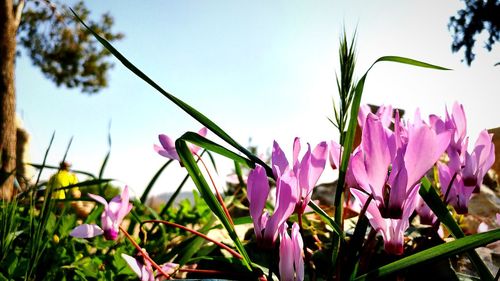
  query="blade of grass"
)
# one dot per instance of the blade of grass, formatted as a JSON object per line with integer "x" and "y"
{"x": 105, "y": 162}
{"x": 207, "y": 144}
{"x": 207, "y": 194}
{"x": 172, "y": 198}
{"x": 67, "y": 149}
{"x": 435, "y": 253}
{"x": 145, "y": 194}
{"x": 40, "y": 166}
{"x": 433, "y": 200}
{"x": 326, "y": 218}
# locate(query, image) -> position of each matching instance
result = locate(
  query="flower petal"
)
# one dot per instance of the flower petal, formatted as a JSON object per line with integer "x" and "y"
{"x": 298, "y": 252}
{"x": 258, "y": 191}
{"x": 134, "y": 264}
{"x": 98, "y": 199}
{"x": 278, "y": 158}
{"x": 376, "y": 152}
{"x": 335, "y": 150}
{"x": 287, "y": 198}
{"x": 296, "y": 151}
{"x": 286, "y": 256}
{"x": 422, "y": 140}
{"x": 169, "y": 147}
{"x": 86, "y": 231}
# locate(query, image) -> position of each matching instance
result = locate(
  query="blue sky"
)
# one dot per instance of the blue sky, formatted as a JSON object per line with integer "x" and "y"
{"x": 260, "y": 69}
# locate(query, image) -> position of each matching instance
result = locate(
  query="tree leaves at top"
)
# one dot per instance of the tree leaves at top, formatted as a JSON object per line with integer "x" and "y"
{"x": 477, "y": 16}
{"x": 65, "y": 51}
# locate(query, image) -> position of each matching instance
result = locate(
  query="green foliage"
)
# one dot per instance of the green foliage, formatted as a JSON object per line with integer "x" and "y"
{"x": 65, "y": 51}
{"x": 38, "y": 245}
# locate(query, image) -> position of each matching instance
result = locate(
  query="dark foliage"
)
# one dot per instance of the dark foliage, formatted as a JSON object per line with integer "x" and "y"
{"x": 478, "y": 15}
{"x": 64, "y": 50}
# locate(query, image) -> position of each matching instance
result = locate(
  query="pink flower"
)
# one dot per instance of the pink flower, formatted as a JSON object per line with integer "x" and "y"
{"x": 390, "y": 166}
{"x": 144, "y": 270}
{"x": 111, "y": 217}
{"x": 291, "y": 264}
{"x": 427, "y": 217}
{"x": 266, "y": 226}
{"x": 306, "y": 172}
{"x": 459, "y": 184}
{"x": 167, "y": 148}
{"x": 392, "y": 230}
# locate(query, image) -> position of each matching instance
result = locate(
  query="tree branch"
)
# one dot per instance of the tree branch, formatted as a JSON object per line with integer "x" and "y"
{"x": 18, "y": 11}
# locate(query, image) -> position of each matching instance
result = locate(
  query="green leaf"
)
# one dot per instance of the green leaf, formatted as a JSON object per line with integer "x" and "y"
{"x": 410, "y": 62}
{"x": 85, "y": 183}
{"x": 68, "y": 222}
{"x": 206, "y": 192}
{"x": 433, "y": 200}
{"x": 242, "y": 220}
{"x": 435, "y": 253}
{"x": 207, "y": 144}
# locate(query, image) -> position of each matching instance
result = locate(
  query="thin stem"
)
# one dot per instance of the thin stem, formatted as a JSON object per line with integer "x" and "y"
{"x": 212, "y": 271}
{"x": 449, "y": 188}
{"x": 219, "y": 197}
{"x": 225, "y": 247}
{"x": 143, "y": 253}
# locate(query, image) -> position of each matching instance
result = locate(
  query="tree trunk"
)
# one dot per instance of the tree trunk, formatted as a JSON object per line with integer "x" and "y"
{"x": 7, "y": 99}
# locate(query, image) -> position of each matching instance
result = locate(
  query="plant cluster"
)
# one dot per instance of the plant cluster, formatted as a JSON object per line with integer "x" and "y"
{"x": 403, "y": 177}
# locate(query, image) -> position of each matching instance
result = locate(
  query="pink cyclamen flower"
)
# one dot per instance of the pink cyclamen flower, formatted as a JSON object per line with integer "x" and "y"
{"x": 144, "y": 270}
{"x": 458, "y": 185}
{"x": 427, "y": 217}
{"x": 306, "y": 172}
{"x": 384, "y": 113}
{"x": 392, "y": 230}
{"x": 291, "y": 264}
{"x": 111, "y": 218}
{"x": 167, "y": 148}
{"x": 266, "y": 226}
{"x": 390, "y": 166}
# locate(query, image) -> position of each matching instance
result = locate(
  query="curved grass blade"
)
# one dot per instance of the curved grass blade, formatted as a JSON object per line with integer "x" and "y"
{"x": 326, "y": 218}
{"x": 172, "y": 198}
{"x": 105, "y": 162}
{"x": 435, "y": 253}
{"x": 145, "y": 194}
{"x": 184, "y": 106}
{"x": 67, "y": 149}
{"x": 212, "y": 160}
{"x": 410, "y": 62}
{"x": 84, "y": 183}
{"x": 433, "y": 200}
{"x": 207, "y": 194}
{"x": 40, "y": 166}
{"x": 207, "y": 144}
{"x": 239, "y": 174}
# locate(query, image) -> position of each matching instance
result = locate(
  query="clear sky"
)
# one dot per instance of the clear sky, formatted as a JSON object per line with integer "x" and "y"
{"x": 260, "y": 69}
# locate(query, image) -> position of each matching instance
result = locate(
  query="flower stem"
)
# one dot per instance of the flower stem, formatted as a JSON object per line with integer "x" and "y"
{"x": 449, "y": 188}
{"x": 231, "y": 251}
{"x": 143, "y": 253}
{"x": 219, "y": 197}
